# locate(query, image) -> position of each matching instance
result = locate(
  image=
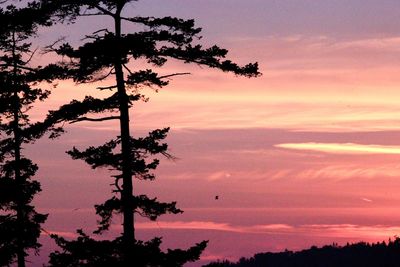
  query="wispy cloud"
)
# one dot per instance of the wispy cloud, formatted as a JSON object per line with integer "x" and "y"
{"x": 327, "y": 230}
{"x": 345, "y": 148}
{"x": 219, "y": 175}
{"x": 348, "y": 171}
{"x": 214, "y": 226}
{"x": 65, "y": 234}
{"x": 206, "y": 256}
{"x": 366, "y": 199}
{"x": 306, "y": 78}
{"x": 353, "y": 230}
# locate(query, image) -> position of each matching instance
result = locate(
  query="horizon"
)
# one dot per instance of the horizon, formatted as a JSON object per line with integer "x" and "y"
{"x": 307, "y": 154}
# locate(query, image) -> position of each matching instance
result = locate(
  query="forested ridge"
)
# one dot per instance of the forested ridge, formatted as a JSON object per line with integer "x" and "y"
{"x": 362, "y": 254}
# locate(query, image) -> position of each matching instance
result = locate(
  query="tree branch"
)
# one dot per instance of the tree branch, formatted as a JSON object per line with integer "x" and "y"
{"x": 116, "y": 184}
{"x": 19, "y": 67}
{"x": 92, "y": 14}
{"x": 95, "y": 119}
{"x": 31, "y": 56}
{"x": 101, "y": 30}
{"x": 107, "y": 87}
{"x": 100, "y": 78}
{"x": 130, "y": 72}
{"x": 50, "y": 48}
{"x": 94, "y": 35}
{"x": 174, "y": 74}
{"x": 105, "y": 11}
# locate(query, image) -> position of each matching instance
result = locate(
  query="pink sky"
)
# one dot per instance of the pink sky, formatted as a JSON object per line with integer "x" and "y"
{"x": 308, "y": 154}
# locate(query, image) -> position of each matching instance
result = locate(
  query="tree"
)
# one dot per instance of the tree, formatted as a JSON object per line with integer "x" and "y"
{"x": 20, "y": 223}
{"x": 107, "y": 53}
{"x": 351, "y": 255}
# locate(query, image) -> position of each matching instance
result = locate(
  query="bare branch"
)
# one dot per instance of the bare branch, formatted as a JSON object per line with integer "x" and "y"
{"x": 26, "y": 68}
{"x": 105, "y": 11}
{"x": 100, "y": 78}
{"x": 102, "y": 30}
{"x": 134, "y": 20}
{"x": 117, "y": 185}
{"x": 174, "y": 74}
{"x": 95, "y": 119}
{"x": 92, "y": 14}
{"x": 50, "y": 48}
{"x": 169, "y": 156}
{"x": 19, "y": 67}
{"x": 31, "y": 56}
{"x": 130, "y": 72}
{"x": 93, "y": 36}
{"x": 107, "y": 87}
{"x": 162, "y": 77}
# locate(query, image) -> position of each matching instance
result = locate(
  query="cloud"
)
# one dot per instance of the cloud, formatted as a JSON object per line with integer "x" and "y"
{"x": 378, "y": 44}
{"x": 326, "y": 230}
{"x": 353, "y": 230}
{"x": 206, "y": 256}
{"x": 366, "y": 199}
{"x": 342, "y": 148}
{"x": 214, "y": 226}
{"x": 219, "y": 175}
{"x": 306, "y": 77}
{"x": 60, "y": 233}
{"x": 276, "y": 227}
{"x": 348, "y": 171}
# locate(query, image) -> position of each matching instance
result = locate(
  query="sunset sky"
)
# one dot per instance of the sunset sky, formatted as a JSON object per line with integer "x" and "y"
{"x": 307, "y": 154}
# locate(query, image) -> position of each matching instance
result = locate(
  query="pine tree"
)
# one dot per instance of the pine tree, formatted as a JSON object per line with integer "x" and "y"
{"x": 20, "y": 223}
{"x": 107, "y": 53}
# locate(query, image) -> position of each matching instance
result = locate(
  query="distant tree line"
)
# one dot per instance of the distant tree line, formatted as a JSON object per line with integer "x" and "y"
{"x": 381, "y": 254}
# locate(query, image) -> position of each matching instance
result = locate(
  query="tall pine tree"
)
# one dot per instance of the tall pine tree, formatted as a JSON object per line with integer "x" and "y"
{"x": 20, "y": 223}
{"x": 106, "y": 54}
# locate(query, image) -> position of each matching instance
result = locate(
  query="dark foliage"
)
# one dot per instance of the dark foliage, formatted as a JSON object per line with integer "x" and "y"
{"x": 20, "y": 223}
{"x": 352, "y": 255}
{"x": 108, "y": 53}
{"x": 85, "y": 251}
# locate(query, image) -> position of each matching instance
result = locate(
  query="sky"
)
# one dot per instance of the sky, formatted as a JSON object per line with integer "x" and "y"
{"x": 307, "y": 154}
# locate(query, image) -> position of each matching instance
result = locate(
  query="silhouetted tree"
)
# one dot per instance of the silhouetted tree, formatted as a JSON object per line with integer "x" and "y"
{"x": 20, "y": 224}
{"x": 107, "y": 53}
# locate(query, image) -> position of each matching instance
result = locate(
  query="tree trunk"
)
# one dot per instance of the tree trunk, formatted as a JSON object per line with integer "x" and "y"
{"x": 127, "y": 190}
{"x": 17, "y": 164}
{"x": 20, "y": 182}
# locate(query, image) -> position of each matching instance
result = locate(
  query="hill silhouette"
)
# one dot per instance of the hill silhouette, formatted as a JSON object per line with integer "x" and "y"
{"x": 362, "y": 254}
